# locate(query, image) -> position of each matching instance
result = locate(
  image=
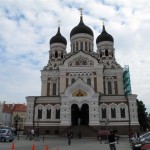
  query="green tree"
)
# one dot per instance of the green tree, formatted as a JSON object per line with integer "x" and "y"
{"x": 142, "y": 115}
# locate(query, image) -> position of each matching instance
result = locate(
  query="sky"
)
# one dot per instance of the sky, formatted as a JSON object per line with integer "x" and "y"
{"x": 27, "y": 26}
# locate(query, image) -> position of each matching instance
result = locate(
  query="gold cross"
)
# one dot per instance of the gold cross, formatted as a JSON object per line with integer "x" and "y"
{"x": 81, "y": 9}
{"x": 103, "y": 21}
{"x": 59, "y": 23}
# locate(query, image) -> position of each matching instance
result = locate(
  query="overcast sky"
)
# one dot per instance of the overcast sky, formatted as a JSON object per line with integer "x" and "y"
{"x": 27, "y": 26}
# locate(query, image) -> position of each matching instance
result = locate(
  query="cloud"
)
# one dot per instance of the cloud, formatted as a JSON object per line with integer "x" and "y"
{"x": 26, "y": 28}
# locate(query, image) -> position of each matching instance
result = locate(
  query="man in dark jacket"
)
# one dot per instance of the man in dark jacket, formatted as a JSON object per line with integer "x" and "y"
{"x": 69, "y": 136}
{"x": 111, "y": 140}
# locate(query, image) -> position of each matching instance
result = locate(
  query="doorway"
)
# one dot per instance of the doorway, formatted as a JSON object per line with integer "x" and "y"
{"x": 74, "y": 114}
{"x": 84, "y": 114}
{"x": 80, "y": 117}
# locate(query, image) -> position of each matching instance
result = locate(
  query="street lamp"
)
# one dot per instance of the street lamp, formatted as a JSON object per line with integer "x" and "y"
{"x": 16, "y": 120}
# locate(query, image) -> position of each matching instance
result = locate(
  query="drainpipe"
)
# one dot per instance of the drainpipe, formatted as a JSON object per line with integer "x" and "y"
{"x": 33, "y": 121}
{"x": 99, "y": 98}
{"x": 128, "y": 112}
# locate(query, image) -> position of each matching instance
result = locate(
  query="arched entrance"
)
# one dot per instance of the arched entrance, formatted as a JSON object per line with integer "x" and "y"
{"x": 74, "y": 114}
{"x": 84, "y": 114}
{"x": 80, "y": 117}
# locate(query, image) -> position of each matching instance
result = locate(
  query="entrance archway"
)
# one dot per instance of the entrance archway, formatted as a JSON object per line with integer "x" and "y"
{"x": 84, "y": 114}
{"x": 74, "y": 114}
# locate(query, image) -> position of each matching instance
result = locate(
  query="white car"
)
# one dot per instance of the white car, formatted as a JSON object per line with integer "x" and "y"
{"x": 6, "y": 135}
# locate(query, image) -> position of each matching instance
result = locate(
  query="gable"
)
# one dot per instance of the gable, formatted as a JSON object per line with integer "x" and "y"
{"x": 81, "y": 59}
{"x": 79, "y": 89}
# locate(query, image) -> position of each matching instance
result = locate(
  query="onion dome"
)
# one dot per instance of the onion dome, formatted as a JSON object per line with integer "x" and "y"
{"x": 58, "y": 38}
{"x": 104, "y": 36}
{"x": 81, "y": 28}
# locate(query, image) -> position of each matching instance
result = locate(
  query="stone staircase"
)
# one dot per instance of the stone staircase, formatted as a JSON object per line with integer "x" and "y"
{"x": 86, "y": 131}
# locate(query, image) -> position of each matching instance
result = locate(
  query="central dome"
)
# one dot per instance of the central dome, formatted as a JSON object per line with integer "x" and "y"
{"x": 81, "y": 28}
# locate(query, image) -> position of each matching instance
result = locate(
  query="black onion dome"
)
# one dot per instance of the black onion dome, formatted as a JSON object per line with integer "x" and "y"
{"x": 58, "y": 38}
{"x": 81, "y": 28}
{"x": 104, "y": 36}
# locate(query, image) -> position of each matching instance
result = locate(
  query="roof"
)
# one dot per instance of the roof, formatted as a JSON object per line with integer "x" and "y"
{"x": 6, "y": 108}
{"x": 81, "y": 28}
{"x": 58, "y": 38}
{"x": 19, "y": 108}
{"x": 104, "y": 36}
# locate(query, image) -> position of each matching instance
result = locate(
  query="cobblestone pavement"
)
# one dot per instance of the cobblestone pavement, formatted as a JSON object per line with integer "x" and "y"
{"x": 61, "y": 143}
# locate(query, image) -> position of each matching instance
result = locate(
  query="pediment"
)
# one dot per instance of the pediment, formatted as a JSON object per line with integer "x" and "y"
{"x": 81, "y": 59}
{"x": 79, "y": 89}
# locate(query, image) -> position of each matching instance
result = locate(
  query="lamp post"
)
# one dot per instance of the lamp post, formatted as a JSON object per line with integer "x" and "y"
{"x": 16, "y": 120}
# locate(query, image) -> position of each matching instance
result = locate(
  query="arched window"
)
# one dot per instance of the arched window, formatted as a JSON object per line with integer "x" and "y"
{"x": 56, "y": 54}
{"x": 76, "y": 46}
{"x": 113, "y": 113}
{"x": 85, "y": 46}
{"x": 54, "y": 89}
{"x": 57, "y": 113}
{"x": 100, "y": 54}
{"x": 103, "y": 112}
{"x": 72, "y": 80}
{"x": 89, "y": 81}
{"x": 73, "y": 47}
{"x": 89, "y": 47}
{"x": 48, "y": 114}
{"x": 39, "y": 113}
{"x": 122, "y": 112}
{"x": 106, "y": 52}
{"x": 109, "y": 88}
{"x": 62, "y": 56}
{"x": 81, "y": 46}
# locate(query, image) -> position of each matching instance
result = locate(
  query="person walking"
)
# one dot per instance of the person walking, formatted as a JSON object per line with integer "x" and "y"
{"x": 69, "y": 136}
{"x": 33, "y": 133}
{"x": 111, "y": 140}
{"x": 28, "y": 133}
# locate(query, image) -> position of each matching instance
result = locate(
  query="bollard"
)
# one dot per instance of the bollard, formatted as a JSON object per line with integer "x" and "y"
{"x": 46, "y": 147}
{"x": 33, "y": 147}
{"x": 13, "y": 146}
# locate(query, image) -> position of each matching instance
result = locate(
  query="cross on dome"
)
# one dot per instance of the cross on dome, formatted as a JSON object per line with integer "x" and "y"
{"x": 103, "y": 21}
{"x": 59, "y": 21}
{"x": 81, "y": 9}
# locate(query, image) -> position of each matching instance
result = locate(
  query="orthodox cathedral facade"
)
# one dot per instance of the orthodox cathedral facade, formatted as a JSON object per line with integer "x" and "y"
{"x": 83, "y": 87}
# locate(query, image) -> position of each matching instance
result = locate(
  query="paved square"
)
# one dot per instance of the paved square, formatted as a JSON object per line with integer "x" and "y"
{"x": 53, "y": 142}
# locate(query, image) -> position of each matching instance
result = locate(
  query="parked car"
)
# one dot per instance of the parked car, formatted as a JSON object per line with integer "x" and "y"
{"x": 143, "y": 139}
{"x": 139, "y": 144}
{"x": 6, "y": 135}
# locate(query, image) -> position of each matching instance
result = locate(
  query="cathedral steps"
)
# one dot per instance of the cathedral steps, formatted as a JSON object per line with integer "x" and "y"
{"x": 86, "y": 131}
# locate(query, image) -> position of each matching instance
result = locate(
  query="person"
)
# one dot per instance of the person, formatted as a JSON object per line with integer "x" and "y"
{"x": 116, "y": 136}
{"x": 136, "y": 134}
{"x": 33, "y": 133}
{"x": 69, "y": 136}
{"x": 28, "y": 133}
{"x": 111, "y": 140}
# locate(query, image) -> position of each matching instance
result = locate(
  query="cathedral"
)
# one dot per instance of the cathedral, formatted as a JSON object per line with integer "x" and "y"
{"x": 83, "y": 88}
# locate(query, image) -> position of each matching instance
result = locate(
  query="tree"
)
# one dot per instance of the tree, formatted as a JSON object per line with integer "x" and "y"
{"x": 142, "y": 115}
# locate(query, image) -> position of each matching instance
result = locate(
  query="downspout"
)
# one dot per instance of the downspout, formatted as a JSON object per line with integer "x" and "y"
{"x": 99, "y": 98}
{"x": 128, "y": 112}
{"x": 33, "y": 121}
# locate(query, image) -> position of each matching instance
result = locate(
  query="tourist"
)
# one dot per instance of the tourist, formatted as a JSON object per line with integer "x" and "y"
{"x": 69, "y": 136}
{"x": 111, "y": 140}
